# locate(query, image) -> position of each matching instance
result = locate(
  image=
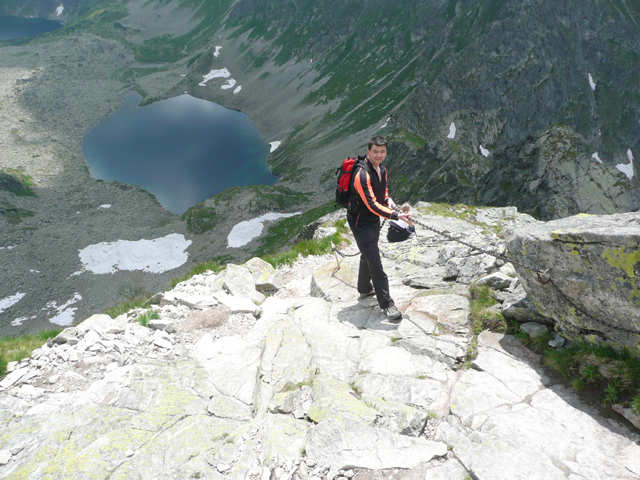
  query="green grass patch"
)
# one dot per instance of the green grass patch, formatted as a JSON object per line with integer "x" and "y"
{"x": 14, "y": 349}
{"x": 482, "y": 317}
{"x": 305, "y": 248}
{"x": 17, "y": 182}
{"x": 462, "y": 212}
{"x": 124, "y": 307}
{"x": 215, "y": 265}
{"x": 200, "y": 219}
{"x": 143, "y": 319}
{"x": 283, "y": 232}
{"x": 14, "y": 214}
{"x": 613, "y": 374}
{"x": 407, "y": 137}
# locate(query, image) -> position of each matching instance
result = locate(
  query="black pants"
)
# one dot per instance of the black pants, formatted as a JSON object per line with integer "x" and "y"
{"x": 367, "y": 235}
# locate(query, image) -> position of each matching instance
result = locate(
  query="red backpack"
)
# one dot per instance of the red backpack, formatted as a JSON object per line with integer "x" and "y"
{"x": 345, "y": 179}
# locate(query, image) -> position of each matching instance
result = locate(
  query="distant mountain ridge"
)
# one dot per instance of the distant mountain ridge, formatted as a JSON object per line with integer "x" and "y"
{"x": 502, "y": 73}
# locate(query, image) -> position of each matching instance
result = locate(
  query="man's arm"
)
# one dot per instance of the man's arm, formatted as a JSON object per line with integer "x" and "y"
{"x": 362, "y": 186}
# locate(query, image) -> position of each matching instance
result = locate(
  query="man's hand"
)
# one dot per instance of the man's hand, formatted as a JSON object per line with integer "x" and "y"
{"x": 406, "y": 218}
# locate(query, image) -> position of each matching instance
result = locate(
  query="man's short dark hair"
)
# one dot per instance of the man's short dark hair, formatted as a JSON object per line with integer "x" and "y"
{"x": 377, "y": 140}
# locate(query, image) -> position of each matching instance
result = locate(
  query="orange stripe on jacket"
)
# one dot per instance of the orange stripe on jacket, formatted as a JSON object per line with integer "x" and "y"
{"x": 369, "y": 198}
{"x": 386, "y": 187}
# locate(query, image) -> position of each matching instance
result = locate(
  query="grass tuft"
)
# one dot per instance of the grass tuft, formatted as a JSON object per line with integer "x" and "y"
{"x": 137, "y": 302}
{"x": 14, "y": 349}
{"x": 144, "y": 318}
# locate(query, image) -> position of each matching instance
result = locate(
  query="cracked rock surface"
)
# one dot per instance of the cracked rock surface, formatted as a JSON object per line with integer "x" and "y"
{"x": 302, "y": 380}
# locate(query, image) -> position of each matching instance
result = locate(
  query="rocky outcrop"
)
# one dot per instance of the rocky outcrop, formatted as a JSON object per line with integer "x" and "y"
{"x": 590, "y": 274}
{"x": 309, "y": 382}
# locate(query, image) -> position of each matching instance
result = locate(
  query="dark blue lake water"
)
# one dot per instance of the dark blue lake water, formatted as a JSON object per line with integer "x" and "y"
{"x": 16, "y": 28}
{"x": 183, "y": 150}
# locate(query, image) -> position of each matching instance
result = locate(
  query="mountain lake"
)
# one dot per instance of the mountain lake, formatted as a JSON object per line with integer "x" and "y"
{"x": 183, "y": 149}
{"x": 19, "y": 28}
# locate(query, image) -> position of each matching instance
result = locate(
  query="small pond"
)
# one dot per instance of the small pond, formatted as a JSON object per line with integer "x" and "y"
{"x": 19, "y": 28}
{"x": 183, "y": 150}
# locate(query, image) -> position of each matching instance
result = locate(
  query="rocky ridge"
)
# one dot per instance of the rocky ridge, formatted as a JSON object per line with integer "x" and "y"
{"x": 262, "y": 373}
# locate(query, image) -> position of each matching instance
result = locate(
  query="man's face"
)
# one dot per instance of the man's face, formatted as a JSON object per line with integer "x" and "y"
{"x": 377, "y": 153}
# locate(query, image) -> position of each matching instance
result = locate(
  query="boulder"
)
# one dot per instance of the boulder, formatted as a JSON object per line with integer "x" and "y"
{"x": 101, "y": 324}
{"x": 590, "y": 274}
{"x": 263, "y": 275}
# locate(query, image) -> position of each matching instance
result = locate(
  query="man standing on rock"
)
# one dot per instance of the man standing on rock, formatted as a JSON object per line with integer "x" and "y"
{"x": 369, "y": 201}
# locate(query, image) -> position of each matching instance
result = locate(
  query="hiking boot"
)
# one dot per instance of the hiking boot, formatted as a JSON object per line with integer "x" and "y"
{"x": 392, "y": 313}
{"x": 367, "y": 295}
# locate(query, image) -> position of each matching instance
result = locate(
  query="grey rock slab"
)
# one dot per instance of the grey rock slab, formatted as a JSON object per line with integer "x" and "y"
{"x": 334, "y": 399}
{"x": 354, "y": 444}
{"x": 102, "y": 324}
{"x": 594, "y": 264}
{"x": 534, "y": 329}
{"x": 421, "y": 392}
{"x": 231, "y": 364}
{"x": 479, "y": 393}
{"x": 334, "y": 346}
{"x": 629, "y": 414}
{"x": 14, "y": 377}
{"x": 515, "y": 375}
{"x": 334, "y": 283}
{"x": 226, "y": 407}
{"x": 450, "y": 310}
{"x": 496, "y": 280}
{"x": 264, "y": 275}
{"x": 285, "y": 362}
{"x": 297, "y": 402}
{"x": 238, "y": 281}
{"x": 166, "y": 325}
{"x": 237, "y": 304}
{"x": 396, "y": 361}
{"x": 68, "y": 335}
{"x": 553, "y": 436}
{"x": 283, "y": 438}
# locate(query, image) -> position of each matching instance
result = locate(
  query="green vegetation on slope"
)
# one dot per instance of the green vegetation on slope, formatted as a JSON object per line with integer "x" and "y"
{"x": 14, "y": 349}
{"x": 17, "y": 182}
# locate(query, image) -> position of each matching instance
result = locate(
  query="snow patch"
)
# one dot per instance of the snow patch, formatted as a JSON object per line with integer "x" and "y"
{"x": 75, "y": 274}
{"x": 484, "y": 151}
{"x": 243, "y": 232}
{"x": 16, "y": 322}
{"x": 452, "y": 131}
{"x": 386, "y": 122}
{"x": 596, "y": 157}
{"x": 8, "y": 247}
{"x": 231, "y": 82}
{"x": 627, "y": 169}
{"x": 592, "y": 84}
{"x": 10, "y": 301}
{"x": 237, "y": 89}
{"x": 65, "y": 313}
{"x": 31, "y": 270}
{"x": 105, "y": 205}
{"x": 218, "y": 50}
{"x": 219, "y": 73}
{"x": 274, "y": 146}
{"x": 59, "y": 10}
{"x": 156, "y": 256}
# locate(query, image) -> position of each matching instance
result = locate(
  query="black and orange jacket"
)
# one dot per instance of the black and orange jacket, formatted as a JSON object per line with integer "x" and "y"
{"x": 370, "y": 194}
